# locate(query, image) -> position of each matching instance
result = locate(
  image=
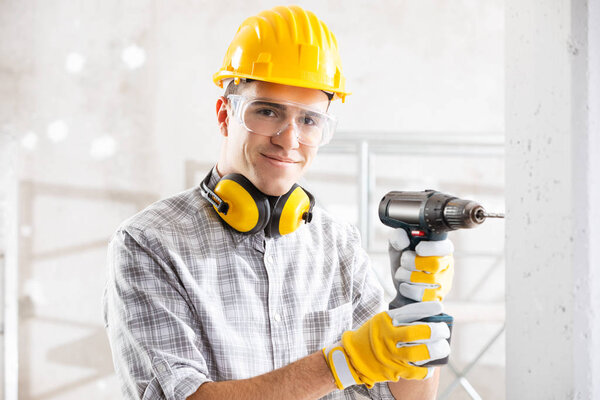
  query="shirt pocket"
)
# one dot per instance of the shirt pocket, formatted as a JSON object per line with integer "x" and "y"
{"x": 322, "y": 328}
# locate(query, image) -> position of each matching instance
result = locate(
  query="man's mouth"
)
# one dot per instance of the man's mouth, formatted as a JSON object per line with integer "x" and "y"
{"x": 280, "y": 159}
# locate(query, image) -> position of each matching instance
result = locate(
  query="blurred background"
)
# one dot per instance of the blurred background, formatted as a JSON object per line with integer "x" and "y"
{"x": 108, "y": 106}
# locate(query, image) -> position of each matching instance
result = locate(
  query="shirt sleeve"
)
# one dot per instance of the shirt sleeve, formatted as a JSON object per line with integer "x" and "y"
{"x": 379, "y": 391}
{"x": 368, "y": 301}
{"x": 367, "y": 297}
{"x": 151, "y": 326}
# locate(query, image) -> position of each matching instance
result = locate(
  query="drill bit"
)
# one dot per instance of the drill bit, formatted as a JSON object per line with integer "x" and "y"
{"x": 482, "y": 214}
{"x": 493, "y": 215}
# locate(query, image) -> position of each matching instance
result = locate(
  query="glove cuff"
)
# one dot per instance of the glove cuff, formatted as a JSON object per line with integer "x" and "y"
{"x": 340, "y": 366}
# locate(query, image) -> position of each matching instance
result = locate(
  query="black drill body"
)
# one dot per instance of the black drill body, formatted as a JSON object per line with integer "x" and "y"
{"x": 429, "y": 215}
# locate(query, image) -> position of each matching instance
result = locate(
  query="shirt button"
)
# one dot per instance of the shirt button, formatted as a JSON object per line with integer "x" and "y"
{"x": 270, "y": 259}
{"x": 277, "y": 317}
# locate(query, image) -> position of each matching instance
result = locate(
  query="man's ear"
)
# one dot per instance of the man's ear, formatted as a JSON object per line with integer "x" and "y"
{"x": 222, "y": 115}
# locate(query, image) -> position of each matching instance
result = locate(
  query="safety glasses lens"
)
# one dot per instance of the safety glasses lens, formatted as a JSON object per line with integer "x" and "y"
{"x": 271, "y": 118}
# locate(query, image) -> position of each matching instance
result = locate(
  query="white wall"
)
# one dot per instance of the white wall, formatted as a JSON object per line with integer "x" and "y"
{"x": 413, "y": 66}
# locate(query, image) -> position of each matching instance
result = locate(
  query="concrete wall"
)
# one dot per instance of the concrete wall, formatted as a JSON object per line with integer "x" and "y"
{"x": 553, "y": 175}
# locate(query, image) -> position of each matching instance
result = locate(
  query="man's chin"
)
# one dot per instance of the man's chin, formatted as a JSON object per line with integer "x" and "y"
{"x": 276, "y": 192}
{"x": 274, "y": 183}
{"x": 275, "y": 189}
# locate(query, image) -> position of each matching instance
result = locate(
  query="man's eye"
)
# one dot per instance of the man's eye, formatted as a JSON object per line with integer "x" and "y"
{"x": 266, "y": 112}
{"x": 310, "y": 120}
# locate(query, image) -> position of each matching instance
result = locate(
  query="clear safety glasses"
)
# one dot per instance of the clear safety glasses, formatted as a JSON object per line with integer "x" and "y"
{"x": 269, "y": 118}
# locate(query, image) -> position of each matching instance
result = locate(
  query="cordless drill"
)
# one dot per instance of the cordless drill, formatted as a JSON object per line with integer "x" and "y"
{"x": 429, "y": 215}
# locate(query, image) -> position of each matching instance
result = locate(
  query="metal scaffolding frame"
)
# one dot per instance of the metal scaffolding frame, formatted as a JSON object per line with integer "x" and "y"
{"x": 367, "y": 144}
{"x": 461, "y": 376}
{"x": 362, "y": 144}
{"x": 18, "y": 257}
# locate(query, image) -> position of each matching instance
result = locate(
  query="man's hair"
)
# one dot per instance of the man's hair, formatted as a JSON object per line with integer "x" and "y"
{"x": 232, "y": 88}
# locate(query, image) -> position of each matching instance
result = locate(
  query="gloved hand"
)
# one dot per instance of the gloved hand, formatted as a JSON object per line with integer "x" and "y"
{"x": 389, "y": 346}
{"x": 424, "y": 275}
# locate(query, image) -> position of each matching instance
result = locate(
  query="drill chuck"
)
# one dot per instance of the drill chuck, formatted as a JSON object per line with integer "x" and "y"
{"x": 463, "y": 214}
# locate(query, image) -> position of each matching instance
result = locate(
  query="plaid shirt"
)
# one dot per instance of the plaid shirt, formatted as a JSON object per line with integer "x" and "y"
{"x": 190, "y": 300}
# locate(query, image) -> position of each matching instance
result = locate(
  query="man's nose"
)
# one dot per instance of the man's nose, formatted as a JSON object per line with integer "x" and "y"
{"x": 288, "y": 137}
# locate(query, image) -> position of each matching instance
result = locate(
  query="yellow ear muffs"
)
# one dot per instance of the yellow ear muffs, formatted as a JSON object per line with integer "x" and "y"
{"x": 290, "y": 211}
{"x": 248, "y": 209}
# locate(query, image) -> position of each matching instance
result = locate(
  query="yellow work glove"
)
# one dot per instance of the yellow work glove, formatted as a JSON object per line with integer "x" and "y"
{"x": 389, "y": 346}
{"x": 422, "y": 275}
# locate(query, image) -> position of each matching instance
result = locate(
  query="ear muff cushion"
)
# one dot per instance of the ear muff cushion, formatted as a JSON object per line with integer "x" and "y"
{"x": 287, "y": 215}
{"x": 249, "y": 209}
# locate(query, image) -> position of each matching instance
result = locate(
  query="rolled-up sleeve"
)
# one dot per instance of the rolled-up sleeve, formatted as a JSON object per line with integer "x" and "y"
{"x": 150, "y": 322}
{"x": 379, "y": 391}
{"x": 368, "y": 301}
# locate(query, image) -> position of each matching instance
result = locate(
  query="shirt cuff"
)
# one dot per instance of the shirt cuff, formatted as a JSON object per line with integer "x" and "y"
{"x": 381, "y": 391}
{"x": 173, "y": 383}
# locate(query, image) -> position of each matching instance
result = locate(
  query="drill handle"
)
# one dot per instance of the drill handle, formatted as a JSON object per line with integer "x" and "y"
{"x": 415, "y": 236}
{"x": 400, "y": 301}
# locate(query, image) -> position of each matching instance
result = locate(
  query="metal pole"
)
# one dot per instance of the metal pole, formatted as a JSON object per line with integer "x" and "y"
{"x": 10, "y": 249}
{"x": 364, "y": 178}
{"x": 461, "y": 376}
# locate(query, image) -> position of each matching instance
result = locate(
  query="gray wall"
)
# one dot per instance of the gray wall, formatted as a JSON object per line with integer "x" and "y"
{"x": 553, "y": 153}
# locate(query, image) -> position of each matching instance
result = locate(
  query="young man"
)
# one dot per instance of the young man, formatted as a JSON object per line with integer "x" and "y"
{"x": 243, "y": 288}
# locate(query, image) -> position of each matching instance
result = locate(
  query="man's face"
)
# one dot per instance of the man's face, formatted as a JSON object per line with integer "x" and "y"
{"x": 273, "y": 164}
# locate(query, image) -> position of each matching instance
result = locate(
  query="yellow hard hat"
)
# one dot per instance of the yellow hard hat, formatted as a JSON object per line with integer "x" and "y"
{"x": 286, "y": 45}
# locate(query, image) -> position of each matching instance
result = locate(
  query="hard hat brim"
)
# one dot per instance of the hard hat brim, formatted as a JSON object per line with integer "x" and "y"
{"x": 220, "y": 76}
